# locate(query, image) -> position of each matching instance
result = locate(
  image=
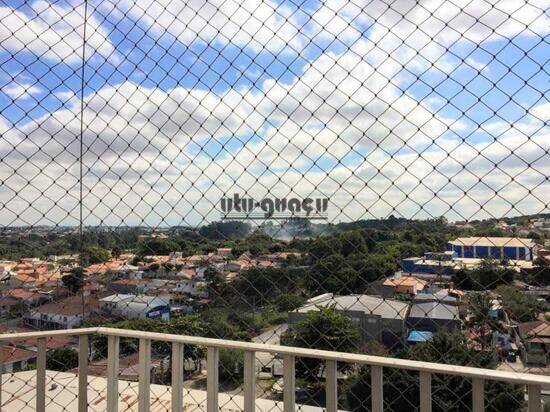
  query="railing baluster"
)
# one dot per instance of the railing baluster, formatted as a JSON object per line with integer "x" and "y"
{"x": 212, "y": 379}
{"x": 249, "y": 381}
{"x": 478, "y": 395}
{"x": 534, "y": 398}
{"x": 331, "y": 382}
{"x": 41, "y": 375}
{"x": 144, "y": 375}
{"x": 1, "y": 376}
{"x": 177, "y": 376}
{"x": 113, "y": 350}
{"x": 377, "y": 388}
{"x": 83, "y": 373}
{"x": 425, "y": 392}
{"x": 289, "y": 383}
{"x": 534, "y": 383}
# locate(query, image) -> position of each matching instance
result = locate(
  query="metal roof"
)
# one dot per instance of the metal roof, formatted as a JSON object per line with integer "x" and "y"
{"x": 419, "y": 336}
{"x": 439, "y": 296}
{"x": 434, "y": 310}
{"x": 386, "y": 308}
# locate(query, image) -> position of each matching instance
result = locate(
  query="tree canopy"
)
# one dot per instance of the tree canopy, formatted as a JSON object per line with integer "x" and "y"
{"x": 325, "y": 328}
{"x": 449, "y": 393}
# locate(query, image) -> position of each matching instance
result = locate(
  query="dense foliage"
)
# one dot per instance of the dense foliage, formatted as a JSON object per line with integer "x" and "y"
{"x": 520, "y": 307}
{"x": 449, "y": 393}
{"x": 74, "y": 281}
{"x": 540, "y": 273}
{"x": 231, "y": 368}
{"x": 488, "y": 275}
{"x": 324, "y": 328}
{"x": 62, "y": 359}
{"x": 225, "y": 230}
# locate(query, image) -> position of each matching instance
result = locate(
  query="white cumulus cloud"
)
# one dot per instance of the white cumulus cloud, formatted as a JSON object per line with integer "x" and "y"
{"x": 53, "y": 31}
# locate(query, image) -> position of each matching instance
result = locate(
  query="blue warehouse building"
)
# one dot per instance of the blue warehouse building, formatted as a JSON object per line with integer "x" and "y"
{"x": 511, "y": 248}
{"x": 431, "y": 262}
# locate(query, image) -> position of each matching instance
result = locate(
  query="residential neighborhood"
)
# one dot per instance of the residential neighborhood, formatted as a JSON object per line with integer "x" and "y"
{"x": 422, "y": 297}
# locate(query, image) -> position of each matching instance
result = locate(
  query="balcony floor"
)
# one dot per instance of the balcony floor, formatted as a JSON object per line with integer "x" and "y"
{"x": 19, "y": 394}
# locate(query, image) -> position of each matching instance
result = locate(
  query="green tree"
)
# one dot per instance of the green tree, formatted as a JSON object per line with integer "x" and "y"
{"x": 62, "y": 359}
{"x": 520, "y": 307}
{"x": 480, "y": 321}
{"x": 231, "y": 368}
{"x": 192, "y": 325}
{"x": 213, "y": 277}
{"x": 463, "y": 279}
{"x": 18, "y": 309}
{"x": 489, "y": 274}
{"x": 225, "y": 230}
{"x": 74, "y": 281}
{"x": 258, "y": 243}
{"x": 116, "y": 251}
{"x": 157, "y": 246}
{"x": 323, "y": 276}
{"x": 223, "y": 324}
{"x": 374, "y": 267}
{"x": 95, "y": 254}
{"x": 353, "y": 242}
{"x": 323, "y": 247}
{"x": 539, "y": 275}
{"x": 449, "y": 393}
{"x": 324, "y": 328}
{"x": 258, "y": 286}
{"x": 288, "y": 301}
{"x": 343, "y": 282}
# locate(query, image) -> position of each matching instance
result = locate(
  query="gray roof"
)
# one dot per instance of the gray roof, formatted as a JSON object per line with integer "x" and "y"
{"x": 386, "y": 308}
{"x": 434, "y": 310}
{"x": 128, "y": 300}
{"x": 117, "y": 297}
{"x": 439, "y": 296}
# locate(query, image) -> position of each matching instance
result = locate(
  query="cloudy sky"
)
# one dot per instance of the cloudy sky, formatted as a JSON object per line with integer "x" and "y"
{"x": 416, "y": 109}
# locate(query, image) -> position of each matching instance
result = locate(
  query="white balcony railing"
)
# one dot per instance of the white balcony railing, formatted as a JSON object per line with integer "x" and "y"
{"x": 533, "y": 383}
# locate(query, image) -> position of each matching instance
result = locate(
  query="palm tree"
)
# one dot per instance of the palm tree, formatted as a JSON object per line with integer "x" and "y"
{"x": 481, "y": 321}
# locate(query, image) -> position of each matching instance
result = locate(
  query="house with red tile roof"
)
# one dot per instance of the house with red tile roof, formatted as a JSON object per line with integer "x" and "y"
{"x": 38, "y": 277}
{"x": 535, "y": 337}
{"x": 52, "y": 342}
{"x": 16, "y": 359}
{"x": 135, "y": 286}
{"x": 406, "y": 284}
{"x": 29, "y": 297}
{"x": 105, "y": 267}
{"x": 66, "y": 313}
{"x": 223, "y": 251}
{"x": 186, "y": 273}
{"x": 7, "y": 304}
{"x": 191, "y": 282}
